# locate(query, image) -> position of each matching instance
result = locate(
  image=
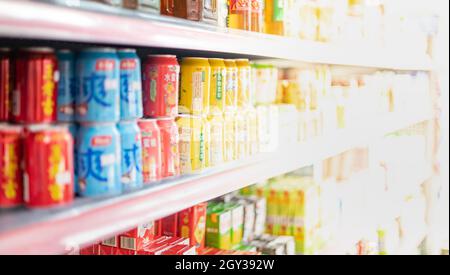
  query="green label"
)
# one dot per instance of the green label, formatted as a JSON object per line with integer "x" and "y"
{"x": 153, "y": 90}
{"x": 219, "y": 91}
{"x": 202, "y": 147}
{"x": 278, "y": 10}
{"x": 203, "y": 76}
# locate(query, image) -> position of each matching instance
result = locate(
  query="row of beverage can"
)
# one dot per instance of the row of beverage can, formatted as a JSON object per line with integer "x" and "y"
{"x": 41, "y": 85}
{"x": 108, "y": 158}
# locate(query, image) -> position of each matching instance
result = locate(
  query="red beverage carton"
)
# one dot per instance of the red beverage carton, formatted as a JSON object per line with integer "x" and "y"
{"x": 137, "y": 238}
{"x": 192, "y": 224}
{"x": 169, "y": 225}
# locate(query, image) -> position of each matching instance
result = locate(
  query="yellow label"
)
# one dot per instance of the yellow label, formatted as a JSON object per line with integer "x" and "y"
{"x": 191, "y": 144}
{"x": 195, "y": 84}
{"x": 218, "y": 85}
{"x": 229, "y": 137}
{"x": 231, "y": 86}
{"x": 216, "y": 149}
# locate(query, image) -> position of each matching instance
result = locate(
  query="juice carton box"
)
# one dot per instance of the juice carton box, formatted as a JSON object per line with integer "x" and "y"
{"x": 192, "y": 224}
{"x": 249, "y": 218}
{"x": 137, "y": 238}
{"x": 237, "y": 222}
{"x": 306, "y": 218}
{"x": 218, "y": 227}
{"x": 169, "y": 225}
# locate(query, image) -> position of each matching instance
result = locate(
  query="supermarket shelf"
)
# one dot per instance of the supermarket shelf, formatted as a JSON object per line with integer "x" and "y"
{"x": 87, "y": 220}
{"x": 109, "y": 25}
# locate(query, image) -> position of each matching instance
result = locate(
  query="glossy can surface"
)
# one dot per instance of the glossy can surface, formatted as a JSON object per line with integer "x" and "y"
{"x": 218, "y": 85}
{"x": 170, "y": 156}
{"x": 98, "y": 94}
{"x": 216, "y": 148}
{"x": 161, "y": 82}
{"x": 244, "y": 74}
{"x": 35, "y": 91}
{"x": 98, "y": 147}
{"x": 192, "y": 143}
{"x": 130, "y": 85}
{"x": 5, "y": 83}
{"x": 231, "y": 92}
{"x": 195, "y": 84}
{"x": 11, "y": 154}
{"x": 131, "y": 158}
{"x": 48, "y": 166}
{"x": 151, "y": 150}
{"x": 230, "y": 137}
{"x": 66, "y": 86}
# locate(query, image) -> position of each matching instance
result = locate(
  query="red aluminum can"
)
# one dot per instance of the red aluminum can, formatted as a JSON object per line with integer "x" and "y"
{"x": 160, "y": 86}
{"x": 151, "y": 150}
{"x": 170, "y": 155}
{"x": 5, "y": 83}
{"x": 48, "y": 166}
{"x": 36, "y": 81}
{"x": 11, "y": 188}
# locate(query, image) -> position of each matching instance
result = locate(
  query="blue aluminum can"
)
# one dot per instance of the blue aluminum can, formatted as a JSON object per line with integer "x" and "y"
{"x": 130, "y": 85}
{"x": 98, "y": 95}
{"x": 131, "y": 166}
{"x": 66, "y": 86}
{"x": 98, "y": 169}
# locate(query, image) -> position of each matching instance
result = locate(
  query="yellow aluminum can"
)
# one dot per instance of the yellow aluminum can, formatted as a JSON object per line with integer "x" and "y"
{"x": 242, "y": 135}
{"x": 218, "y": 85}
{"x": 206, "y": 132}
{"x": 192, "y": 143}
{"x": 252, "y": 117}
{"x": 231, "y": 93}
{"x": 244, "y": 75}
{"x": 195, "y": 85}
{"x": 216, "y": 149}
{"x": 229, "y": 134}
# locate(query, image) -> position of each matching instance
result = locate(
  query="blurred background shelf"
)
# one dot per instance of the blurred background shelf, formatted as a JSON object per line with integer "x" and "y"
{"x": 91, "y": 23}
{"x": 88, "y": 220}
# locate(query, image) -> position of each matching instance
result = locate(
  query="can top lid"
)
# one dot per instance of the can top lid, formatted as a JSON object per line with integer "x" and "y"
{"x": 85, "y": 123}
{"x": 126, "y": 50}
{"x": 242, "y": 60}
{"x": 130, "y": 121}
{"x": 100, "y": 49}
{"x": 162, "y": 55}
{"x": 147, "y": 119}
{"x": 65, "y": 51}
{"x": 195, "y": 58}
{"x": 165, "y": 118}
{"x": 45, "y": 127}
{"x": 38, "y": 49}
{"x": 5, "y": 49}
{"x": 189, "y": 116}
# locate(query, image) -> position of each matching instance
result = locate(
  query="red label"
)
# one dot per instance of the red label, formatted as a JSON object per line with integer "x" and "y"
{"x": 101, "y": 141}
{"x": 128, "y": 64}
{"x": 104, "y": 65}
{"x": 239, "y": 5}
{"x": 256, "y": 5}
